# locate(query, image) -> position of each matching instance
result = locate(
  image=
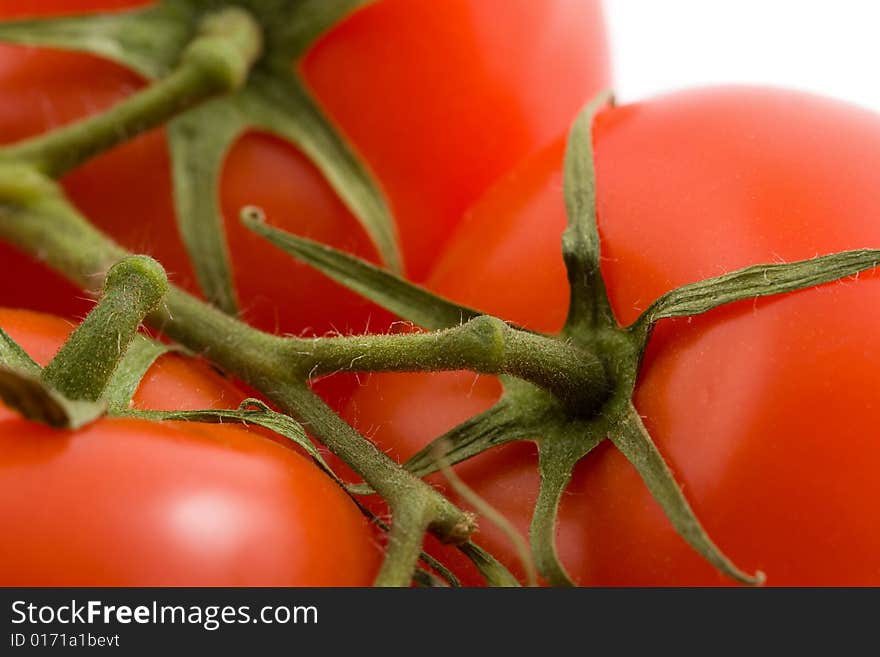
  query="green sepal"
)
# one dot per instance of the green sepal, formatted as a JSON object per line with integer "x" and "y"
{"x": 753, "y": 282}
{"x": 446, "y": 575}
{"x": 199, "y": 141}
{"x": 127, "y": 377}
{"x": 22, "y": 389}
{"x": 279, "y": 103}
{"x": 13, "y": 357}
{"x": 558, "y": 454}
{"x": 251, "y": 411}
{"x": 37, "y": 401}
{"x": 490, "y": 513}
{"x": 632, "y": 439}
{"x": 309, "y": 20}
{"x": 520, "y": 414}
{"x": 588, "y": 305}
{"x": 426, "y": 580}
{"x": 148, "y": 41}
{"x": 490, "y": 568}
{"x": 404, "y": 299}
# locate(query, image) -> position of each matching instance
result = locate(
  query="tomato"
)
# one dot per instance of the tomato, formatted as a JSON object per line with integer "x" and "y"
{"x": 137, "y": 503}
{"x": 766, "y": 411}
{"x": 459, "y": 91}
{"x": 419, "y": 87}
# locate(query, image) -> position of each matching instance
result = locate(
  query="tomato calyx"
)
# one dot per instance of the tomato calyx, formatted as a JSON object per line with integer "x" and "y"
{"x": 243, "y": 56}
{"x": 534, "y": 409}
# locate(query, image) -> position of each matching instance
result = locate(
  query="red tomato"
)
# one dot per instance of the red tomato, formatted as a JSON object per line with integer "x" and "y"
{"x": 419, "y": 86}
{"x": 136, "y": 503}
{"x": 765, "y": 410}
{"x": 459, "y": 91}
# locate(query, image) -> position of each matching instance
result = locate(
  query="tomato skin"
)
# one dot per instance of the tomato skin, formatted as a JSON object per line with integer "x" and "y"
{"x": 137, "y": 503}
{"x": 412, "y": 132}
{"x": 490, "y": 80}
{"x": 766, "y": 411}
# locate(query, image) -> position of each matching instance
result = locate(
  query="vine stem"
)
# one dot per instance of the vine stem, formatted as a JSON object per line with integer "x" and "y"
{"x": 404, "y": 546}
{"x": 84, "y": 365}
{"x": 217, "y": 62}
{"x": 36, "y": 217}
{"x": 485, "y": 344}
{"x": 258, "y": 359}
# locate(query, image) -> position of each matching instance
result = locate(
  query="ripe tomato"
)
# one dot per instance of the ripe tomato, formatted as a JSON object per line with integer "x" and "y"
{"x": 419, "y": 86}
{"x": 136, "y": 503}
{"x": 765, "y": 411}
{"x": 459, "y": 91}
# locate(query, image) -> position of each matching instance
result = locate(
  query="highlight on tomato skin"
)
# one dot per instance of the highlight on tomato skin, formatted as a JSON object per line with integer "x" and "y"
{"x": 765, "y": 410}
{"x": 452, "y": 89}
{"x": 125, "y": 502}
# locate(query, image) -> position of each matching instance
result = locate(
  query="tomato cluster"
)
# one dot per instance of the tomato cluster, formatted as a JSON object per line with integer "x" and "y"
{"x": 459, "y": 108}
{"x": 415, "y": 111}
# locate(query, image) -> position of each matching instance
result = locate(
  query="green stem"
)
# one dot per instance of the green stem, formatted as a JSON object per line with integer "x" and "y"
{"x": 35, "y": 216}
{"x": 404, "y": 547}
{"x": 256, "y": 358}
{"x": 484, "y": 344}
{"x": 84, "y": 365}
{"x": 217, "y": 62}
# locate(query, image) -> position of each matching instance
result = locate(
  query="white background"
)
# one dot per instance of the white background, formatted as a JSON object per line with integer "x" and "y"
{"x": 831, "y": 47}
